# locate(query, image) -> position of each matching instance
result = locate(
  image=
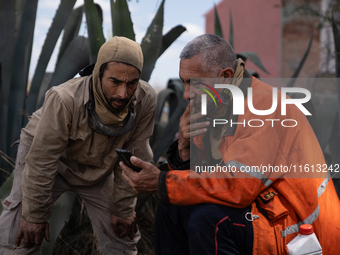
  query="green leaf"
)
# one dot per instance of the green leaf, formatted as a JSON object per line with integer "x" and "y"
{"x": 170, "y": 37}
{"x": 121, "y": 19}
{"x": 7, "y": 39}
{"x": 173, "y": 94}
{"x": 312, "y": 119}
{"x": 73, "y": 233}
{"x": 334, "y": 143}
{"x": 336, "y": 35}
{"x": 19, "y": 6}
{"x": 21, "y": 61}
{"x": 71, "y": 29}
{"x": 61, "y": 211}
{"x": 94, "y": 28}
{"x": 2, "y": 134}
{"x": 325, "y": 110}
{"x": 74, "y": 59}
{"x": 178, "y": 87}
{"x": 170, "y": 130}
{"x": 151, "y": 43}
{"x": 218, "y": 27}
{"x": 158, "y": 129}
{"x": 59, "y": 21}
{"x": 334, "y": 147}
{"x": 162, "y": 97}
{"x": 252, "y": 56}
{"x": 231, "y": 30}
{"x": 302, "y": 61}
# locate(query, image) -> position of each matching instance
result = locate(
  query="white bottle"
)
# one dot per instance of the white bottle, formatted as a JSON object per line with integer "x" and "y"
{"x": 305, "y": 242}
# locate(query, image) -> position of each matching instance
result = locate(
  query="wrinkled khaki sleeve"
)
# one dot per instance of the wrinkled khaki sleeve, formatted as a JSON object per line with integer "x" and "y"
{"x": 51, "y": 138}
{"x": 124, "y": 196}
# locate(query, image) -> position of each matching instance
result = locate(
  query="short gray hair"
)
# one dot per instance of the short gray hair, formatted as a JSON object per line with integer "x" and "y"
{"x": 217, "y": 53}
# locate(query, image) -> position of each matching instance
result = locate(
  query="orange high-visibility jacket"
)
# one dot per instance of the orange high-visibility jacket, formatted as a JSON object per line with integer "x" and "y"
{"x": 280, "y": 201}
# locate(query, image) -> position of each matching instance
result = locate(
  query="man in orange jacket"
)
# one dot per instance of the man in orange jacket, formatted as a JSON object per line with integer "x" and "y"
{"x": 245, "y": 192}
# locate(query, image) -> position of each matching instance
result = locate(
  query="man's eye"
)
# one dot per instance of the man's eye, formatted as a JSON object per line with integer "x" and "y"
{"x": 132, "y": 84}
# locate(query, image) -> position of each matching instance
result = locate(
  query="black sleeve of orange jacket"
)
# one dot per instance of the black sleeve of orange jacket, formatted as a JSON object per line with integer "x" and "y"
{"x": 174, "y": 162}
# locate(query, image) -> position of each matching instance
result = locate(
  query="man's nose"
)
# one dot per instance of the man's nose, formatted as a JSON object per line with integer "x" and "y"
{"x": 122, "y": 91}
{"x": 188, "y": 94}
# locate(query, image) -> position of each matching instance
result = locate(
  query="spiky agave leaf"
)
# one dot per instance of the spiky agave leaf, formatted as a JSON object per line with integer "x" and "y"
{"x": 253, "y": 57}
{"x": 75, "y": 58}
{"x": 151, "y": 43}
{"x": 302, "y": 61}
{"x": 64, "y": 11}
{"x": 71, "y": 30}
{"x": 94, "y": 28}
{"x": 19, "y": 78}
{"x": 231, "y": 30}
{"x": 121, "y": 19}
{"x": 170, "y": 37}
{"x": 218, "y": 27}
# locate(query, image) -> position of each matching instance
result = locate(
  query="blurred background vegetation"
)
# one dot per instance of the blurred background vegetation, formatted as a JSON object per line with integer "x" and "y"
{"x": 71, "y": 230}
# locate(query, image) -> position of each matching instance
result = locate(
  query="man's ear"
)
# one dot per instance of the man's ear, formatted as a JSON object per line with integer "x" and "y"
{"x": 226, "y": 73}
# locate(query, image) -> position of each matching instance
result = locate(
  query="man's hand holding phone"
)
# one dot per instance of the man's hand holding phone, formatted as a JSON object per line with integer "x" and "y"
{"x": 124, "y": 156}
{"x": 144, "y": 181}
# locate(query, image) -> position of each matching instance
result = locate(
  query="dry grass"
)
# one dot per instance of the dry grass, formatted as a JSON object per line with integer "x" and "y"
{"x": 7, "y": 159}
{"x": 77, "y": 236}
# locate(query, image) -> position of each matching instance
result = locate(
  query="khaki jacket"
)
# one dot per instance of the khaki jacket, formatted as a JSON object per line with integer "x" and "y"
{"x": 62, "y": 142}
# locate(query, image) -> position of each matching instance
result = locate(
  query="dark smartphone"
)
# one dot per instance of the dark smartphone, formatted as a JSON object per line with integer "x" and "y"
{"x": 125, "y": 155}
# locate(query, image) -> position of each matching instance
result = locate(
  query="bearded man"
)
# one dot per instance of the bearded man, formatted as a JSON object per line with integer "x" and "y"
{"x": 69, "y": 145}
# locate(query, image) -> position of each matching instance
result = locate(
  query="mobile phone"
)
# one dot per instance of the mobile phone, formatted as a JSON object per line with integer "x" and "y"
{"x": 125, "y": 155}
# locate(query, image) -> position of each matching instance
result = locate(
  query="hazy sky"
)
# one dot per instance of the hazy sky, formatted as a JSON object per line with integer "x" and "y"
{"x": 189, "y": 13}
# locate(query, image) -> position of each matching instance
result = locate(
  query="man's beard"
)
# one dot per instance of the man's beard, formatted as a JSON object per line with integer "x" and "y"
{"x": 119, "y": 100}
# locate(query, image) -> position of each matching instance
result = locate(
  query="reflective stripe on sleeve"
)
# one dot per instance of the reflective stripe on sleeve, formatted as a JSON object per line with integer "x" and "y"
{"x": 323, "y": 185}
{"x": 313, "y": 216}
{"x": 295, "y": 228}
{"x": 252, "y": 172}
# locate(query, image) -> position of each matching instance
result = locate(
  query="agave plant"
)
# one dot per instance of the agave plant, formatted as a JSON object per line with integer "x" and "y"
{"x": 244, "y": 55}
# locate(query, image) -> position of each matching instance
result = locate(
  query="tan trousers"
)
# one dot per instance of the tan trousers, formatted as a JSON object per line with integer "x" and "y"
{"x": 97, "y": 205}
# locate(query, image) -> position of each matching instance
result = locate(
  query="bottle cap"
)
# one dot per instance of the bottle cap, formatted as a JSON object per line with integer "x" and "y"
{"x": 306, "y": 229}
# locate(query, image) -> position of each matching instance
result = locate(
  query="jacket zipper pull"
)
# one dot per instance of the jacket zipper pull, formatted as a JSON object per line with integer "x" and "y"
{"x": 250, "y": 217}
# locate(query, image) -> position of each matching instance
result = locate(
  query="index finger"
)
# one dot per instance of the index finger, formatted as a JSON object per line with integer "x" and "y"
{"x": 38, "y": 237}
{"x": 19, "y": 236}
{"x": 115, "y": 229}
{"x": 127, "y": 170}
{"x": 47, "y": 232}
{"x": 132, "y": 231}
{"x": 188, "y": 109}
{"x": 196, "y": 116}
{"x": 27, "y": 240}
{"x": 127, "y": 173}
{"x": 126, "y": 231}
